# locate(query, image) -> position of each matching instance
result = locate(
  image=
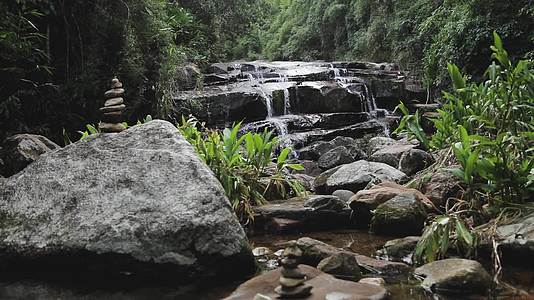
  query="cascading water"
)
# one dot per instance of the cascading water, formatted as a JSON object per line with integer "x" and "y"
{"x": 287, "y": 102}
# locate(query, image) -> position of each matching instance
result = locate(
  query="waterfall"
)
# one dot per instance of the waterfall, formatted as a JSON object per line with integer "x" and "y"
{"x": 268, "y": 97}
{"x": 287, "y": 102}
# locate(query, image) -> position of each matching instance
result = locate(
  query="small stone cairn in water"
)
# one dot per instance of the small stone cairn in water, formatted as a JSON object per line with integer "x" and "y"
{"x": 113, "y": 108}
{"x": 292, "y": 281}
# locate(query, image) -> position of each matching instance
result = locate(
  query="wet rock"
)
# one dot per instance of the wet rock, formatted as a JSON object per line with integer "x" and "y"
{"x": 293, "y": 216}
{"x": 378, "y": 143}
{"x": 219, "y": 105}
{"x": 261, "y": 251}
{"x": 391, "y": 155}
{"x": 311, "y": 168}
{"x": 305, "y": 180}
{"x": 402, "y": 215}
{"x": 373, "y": 280}
{"x": 325, "y": 286}
{"x": 356, "y": 176}
{"x": 187, "y": 76}
{"x": 365, "y": 201}
{"x": 415, "y": 160}
{"x": 335, "y": 157}
{"x": 399, "y": 250}
{"x": 101, "y": 207}
{"x": 383, "y": 267}
{"x": 516, "y": 241}
{"x": 343, "y": 266}
{"x": 21, "y": 150}
{"x": 315, "y": 251}
{"x": 454, "y": 275}
{"x": 343, "y": 195}
{"x": 326, "y": 96}
{"x": 321, "y": 202}
{"x": 315, "y": 151}
{"x": 442, "y": 186}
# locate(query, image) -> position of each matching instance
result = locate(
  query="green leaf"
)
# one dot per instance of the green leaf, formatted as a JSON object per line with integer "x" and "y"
{"x": 296, "y": 167}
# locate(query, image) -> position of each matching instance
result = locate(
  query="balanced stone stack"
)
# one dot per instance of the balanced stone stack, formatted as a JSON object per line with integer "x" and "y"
{"x": 113, "y": 108}
{"x": 292, "y": 281}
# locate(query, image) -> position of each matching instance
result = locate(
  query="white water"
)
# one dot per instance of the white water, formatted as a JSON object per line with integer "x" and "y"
{"x": 287, "y": 102}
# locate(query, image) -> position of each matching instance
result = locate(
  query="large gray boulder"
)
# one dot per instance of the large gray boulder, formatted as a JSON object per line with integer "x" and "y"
{"x": 356, "y": 176}
{"x": 21, "y": 150}
{"x": 139, "y": 201}
{"x": 454, "y": 275}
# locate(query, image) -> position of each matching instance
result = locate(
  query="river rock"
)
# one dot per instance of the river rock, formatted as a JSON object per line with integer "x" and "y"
{"x": 415, "y": 160}
{"x": 356, "y": 176}
{"x": 402, "y": 215}
{"x": 391, "y": 154}
{"x": 22, "y": 149}
{"x": 97, "y": 204}
{"x": 366, "y": 201}
{"x": 343, "y": 266}
{"x": 219, "y": 105}
{"x": 373, "y": 280}
{"x": 378, "y": 143}
{"x": 442, "y": 186}
{"x": 325, "y": 286}
{"x": 316, "y": 150}
{"x": 311, "y": 168}
{"x": 335, "y": 157}
{"x": 344, "y": 195}
{"x": 516, "y": 241}
{"x": 290, "y": 216}
{"x": 454, "y": 275}
{"x": 187, "y": 76}
{"x": 315, "y": 251}
{"x": 399, "y": 250}
{"x": 323, "y": 202}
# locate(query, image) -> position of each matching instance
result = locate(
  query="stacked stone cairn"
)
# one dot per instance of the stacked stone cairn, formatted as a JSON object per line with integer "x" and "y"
{"x": 113, "y": 108}
{"x": 292, "y": 281}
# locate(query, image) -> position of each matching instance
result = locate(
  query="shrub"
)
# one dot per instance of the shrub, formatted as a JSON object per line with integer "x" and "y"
{"x": 490, "y": 128}
{"x": 240, "y": 163}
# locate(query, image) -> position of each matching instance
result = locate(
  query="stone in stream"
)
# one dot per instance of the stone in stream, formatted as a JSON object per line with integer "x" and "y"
{"x": 315, "y": 251}
{"x": 392, "y": 154}
{"x": 113, "y": 108}
{"x": 454, "y": 275}
{"x": 365, "y": 202}
{"x": 441, "y": 186}
{"x": 302, "y": 214}
{"x": 335, "y": 157}
{"x": 404, "y": 214}
{"x": 415, "y": 160}
{"x": 20, "y": 150}
{"x": 356, "y": 176}
{"x": 97, "y": 205}
{"x": 322, "y": 202}
{"x": 400, "y": 250}
{"x": 343, "y": 266}
{"x": 516, "y": 241}
{"x": 344, "y": 195}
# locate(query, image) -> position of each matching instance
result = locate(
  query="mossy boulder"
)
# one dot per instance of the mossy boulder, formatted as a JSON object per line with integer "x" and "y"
{"x": 404, "y": 214}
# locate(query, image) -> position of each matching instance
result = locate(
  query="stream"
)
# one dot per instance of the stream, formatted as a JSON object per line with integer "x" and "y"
{"x": 44, "y": 288}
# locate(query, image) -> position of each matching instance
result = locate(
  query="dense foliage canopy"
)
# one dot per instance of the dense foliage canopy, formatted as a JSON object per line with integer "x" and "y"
{"x": 56, "y": 56}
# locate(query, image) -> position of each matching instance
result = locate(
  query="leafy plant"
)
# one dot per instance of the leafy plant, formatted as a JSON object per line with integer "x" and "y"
{"x": 411, "y": 125}
{"x": 489, "y": 126}
{"x": 445, "y": 234}
{"x": 241, "y": 164}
